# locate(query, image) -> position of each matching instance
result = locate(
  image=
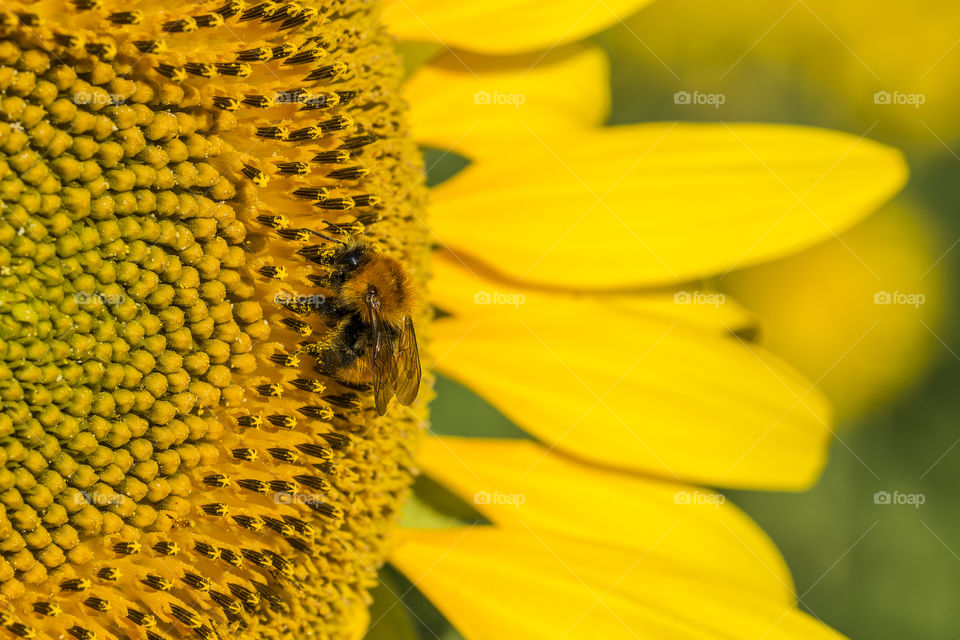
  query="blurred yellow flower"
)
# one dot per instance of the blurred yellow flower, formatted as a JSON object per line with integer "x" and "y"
{"x": 859, "y": 314}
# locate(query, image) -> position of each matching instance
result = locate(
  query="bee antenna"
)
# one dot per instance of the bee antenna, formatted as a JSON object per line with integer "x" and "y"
{"x": 327, "y": 238}
{"x": 339, "y": 229}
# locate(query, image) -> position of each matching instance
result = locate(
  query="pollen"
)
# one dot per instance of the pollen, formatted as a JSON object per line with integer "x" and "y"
{"x": 173, "y": 178}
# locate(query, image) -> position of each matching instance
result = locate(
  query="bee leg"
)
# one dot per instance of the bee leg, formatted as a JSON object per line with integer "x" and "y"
{"x": 325, "y": 307}
{"x": 324, "y": 281}
{"x": 333, "y": 362}
{"x": 363, "y": 387}
{"x": 332, "y": 352}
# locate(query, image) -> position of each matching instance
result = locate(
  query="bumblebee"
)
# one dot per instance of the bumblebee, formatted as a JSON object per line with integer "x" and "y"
{"x": 372, "y": 339}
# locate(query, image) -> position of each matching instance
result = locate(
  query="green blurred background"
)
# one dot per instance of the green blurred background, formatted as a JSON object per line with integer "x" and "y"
{"x": 869, "y": 570}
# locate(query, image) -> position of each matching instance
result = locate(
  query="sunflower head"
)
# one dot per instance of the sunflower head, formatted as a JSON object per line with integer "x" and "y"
{"x": 176, "y": 460}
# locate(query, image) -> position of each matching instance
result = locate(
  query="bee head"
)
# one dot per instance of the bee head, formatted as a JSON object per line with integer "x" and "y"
{"x": 347, "y": 261}
{"x": 350, "y": 258}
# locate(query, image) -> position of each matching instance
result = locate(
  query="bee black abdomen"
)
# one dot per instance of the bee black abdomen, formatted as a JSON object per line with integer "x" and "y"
{"x": 345, "y": 350}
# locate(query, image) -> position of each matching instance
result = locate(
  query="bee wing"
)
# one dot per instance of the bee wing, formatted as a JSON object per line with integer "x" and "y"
{"x": 383, "y": 364}
{"x": 408, "y": 364}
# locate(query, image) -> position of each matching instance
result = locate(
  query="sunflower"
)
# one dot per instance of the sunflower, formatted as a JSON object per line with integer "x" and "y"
{"x": 189, "y": 452}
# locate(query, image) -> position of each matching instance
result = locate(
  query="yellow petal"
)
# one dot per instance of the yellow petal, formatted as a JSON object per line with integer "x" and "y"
{"x": 467, "y": 288}
{"x": 624, "y": 389}
{"x": 660, "y": 203}
{"x": 892, "y": 294}
{"x": 493, "y": 583}
{"x": 470, "y": 102}
{"x": 519, "y": 484}
{"x": 503, "y": 26}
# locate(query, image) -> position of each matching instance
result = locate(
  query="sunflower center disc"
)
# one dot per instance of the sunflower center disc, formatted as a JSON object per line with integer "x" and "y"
{"x": 174, "y": 464}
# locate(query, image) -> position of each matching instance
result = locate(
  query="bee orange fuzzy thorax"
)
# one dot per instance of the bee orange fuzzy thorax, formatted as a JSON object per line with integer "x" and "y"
{"x": 389, "y": 282}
